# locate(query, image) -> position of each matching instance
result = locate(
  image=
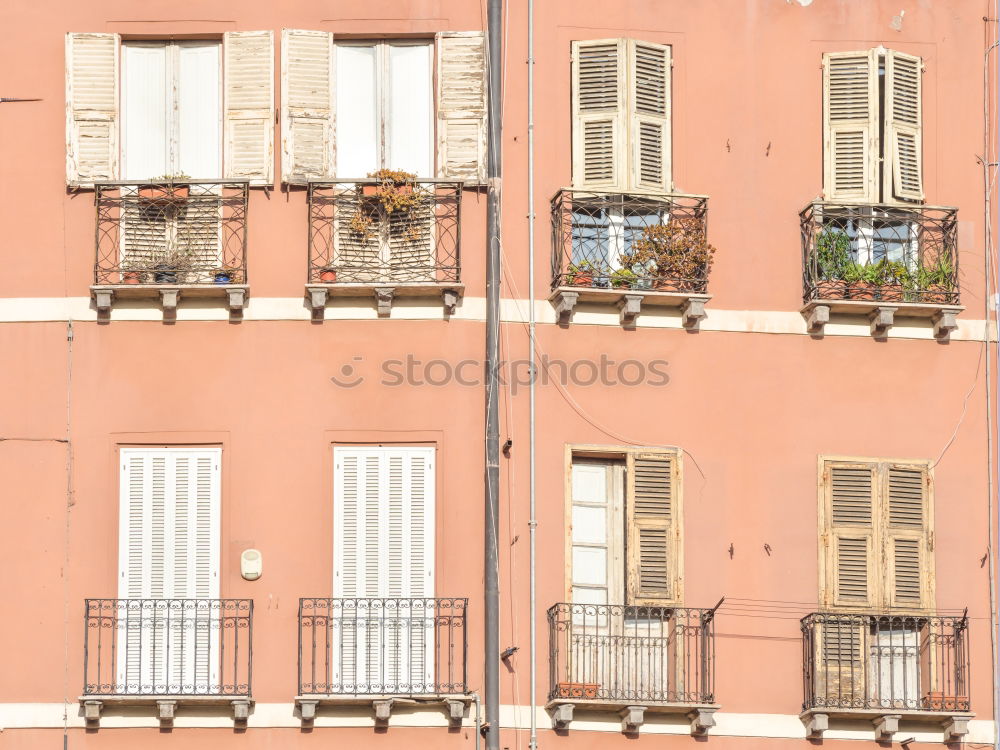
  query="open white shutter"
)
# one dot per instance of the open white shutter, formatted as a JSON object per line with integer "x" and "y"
{"x": 850, "y": 126}
{"x": 249, "y": 105}
{"x": 91, "y": 108}
{"x": 599, "y": 89}
{"x": 307, "y": 143}
{"x": 462, "y": 110}
{"x": 649, "y": 116}
{"x": 903, "y": 174}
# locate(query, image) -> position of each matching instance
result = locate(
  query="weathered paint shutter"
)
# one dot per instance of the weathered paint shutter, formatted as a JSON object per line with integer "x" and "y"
{"x": 91, "y": 108}
{"x": 249, "y": 106}
{"x": 841, "y": 648}
{"x": 599, "y": 90}
{"x": 651, "y": 534}
{"x": 903, "y": 174}
{"x": 461, "y": 103}
{"x": 850, "y": 126}
{"x": 307, "y": 135}
{"x": 909, "y": 550}
{"x": 850, "y": 538}
{"x": 649, "y": 115}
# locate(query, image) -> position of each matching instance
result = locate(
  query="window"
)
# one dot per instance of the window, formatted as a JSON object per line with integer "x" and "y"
{"x": 872, "y": 126}
{"x": 353, "y": 107}
{"x": 876, "y": 526}
{"x": 168, "y": 556}
{"x": 625, "y": 521}
{"x": 621, "y": 115}
{"x": 383, "y": 549}
{"x": 138, "y": 110}
{"x": 171, "y": 109}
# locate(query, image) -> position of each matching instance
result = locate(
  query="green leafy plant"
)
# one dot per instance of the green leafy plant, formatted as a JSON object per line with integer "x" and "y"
{"x": 172, "y": 177}
{"x": 833, "y": 253}
{"x": 581, "y": 272}
{"x": 676, "y": 251}
{"x": 624, "y": 278}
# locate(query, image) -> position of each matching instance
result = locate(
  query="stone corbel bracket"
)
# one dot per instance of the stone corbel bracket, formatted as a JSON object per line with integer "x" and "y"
{"x": 92, "y": 713}
{"x": 307, "y": 710}
{"x": 702, "y": 719}
{"x": 632, "y": 718}
{"x": 817, "y": 318}
{"x": 955, "y": 728}
{"x": 165, "y": 711}
{"x": 237, "y": 301}
{"x": 241, "y": 711}
{"x": 168, "y": 301}
{"x": 945, "y": 322}
{"x": 450, "y": 299}
{"x": 103, "y": 298}
{"x": 693, "y": 312}
{"x": 562, "y": 715}
{"x": 456, "y": 713}
{"x": 886, "y": 726}
{"x": 317, "y": 301}
{"x": 882, "y": 319}
{"x": 628, "y": 309}
{"x": 564, "y": 302}
{"x": 815, "y": 724}
{"x": 383, "y": 710}
{"x": 383, "y": 300}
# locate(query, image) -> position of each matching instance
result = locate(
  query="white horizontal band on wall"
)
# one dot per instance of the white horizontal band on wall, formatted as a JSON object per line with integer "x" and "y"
{"x": 62, "y": 309}
{"x": 281, "y": 715}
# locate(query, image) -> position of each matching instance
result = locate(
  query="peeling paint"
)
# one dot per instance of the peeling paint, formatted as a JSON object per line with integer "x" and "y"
{"x": 803, "y": 3}
{"x": 897, "y": 21}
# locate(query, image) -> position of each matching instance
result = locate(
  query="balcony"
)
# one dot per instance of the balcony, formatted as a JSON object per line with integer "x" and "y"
{"x": 381, "y": 652}
{"x": 630, "y": 252}
{"x": 166, "y": 240}
{"x": 167, "y": 653}
{"x": 880, "y": 261}
{"x": 370, "y": 238}
{"x": 632, "y": 660}
{"x": 886, "y": 668}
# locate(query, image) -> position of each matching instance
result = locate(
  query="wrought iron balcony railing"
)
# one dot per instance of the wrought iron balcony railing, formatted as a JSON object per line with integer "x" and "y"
{"x": 886, "y": 253}
{"x": 644, "y": 242}
{"x": 171, "y": 233}
{"x": 168, "y": 647}
{"x": 353, "y": 647}
{"x": 363, "y": 232}
{"x": 879, "y": 663}
{"x": 629, "y": 654}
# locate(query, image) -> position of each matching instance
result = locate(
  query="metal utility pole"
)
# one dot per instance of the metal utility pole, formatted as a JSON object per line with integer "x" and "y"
{"x": 491, "y": 688}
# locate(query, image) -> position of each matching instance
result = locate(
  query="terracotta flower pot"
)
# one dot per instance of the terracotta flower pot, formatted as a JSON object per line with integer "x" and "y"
{"x": 891, "y": 292}
{"x": 936, "y": 294}
{"x": 583, "y": 279}
{"x": 130, "y": 277}
{"x": 328, "y": 276}
{"x": 936, "y": 700}
{"x": 161, "y": 195}
{"x": 831, "y": 289}
{"x": 862, "y": 290}
{"x": 577, "y": 689}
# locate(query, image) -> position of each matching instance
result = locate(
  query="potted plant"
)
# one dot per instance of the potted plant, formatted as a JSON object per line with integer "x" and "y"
{"x": 225, "y": 275}
{"x": 833, "y": 254}
{"x": 861, "y": 280}
{"x": 166, "y": 190}
{"x": 936, "y": 700}
{"x": 395, "y": 189}
{"x": 131, "y": 272}
{"x": 580, "y": 274}
{"x": 935, "y": 284}
{"x": 168, "y": 268}
{"x": 328, "y": 274}
{"x": 577, "y": 689}
{"x": 894, "y": 278}
{"x": 677, "y": 253}
{"x": 623, "y": 278}
{"x": 360, "y": 224}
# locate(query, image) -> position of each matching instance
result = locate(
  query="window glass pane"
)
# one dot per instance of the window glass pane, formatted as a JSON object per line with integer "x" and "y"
{"x": 357, "y": 113}
{"x": 583, "y": 595}
{"x": 589, "y": 525}
{"x": 199, "y": 134}
{"x": 144, "y": 110}
{"x": 590, "y": 483}
{"x": 590, "y": 566}
{"x": 409, "y": 120}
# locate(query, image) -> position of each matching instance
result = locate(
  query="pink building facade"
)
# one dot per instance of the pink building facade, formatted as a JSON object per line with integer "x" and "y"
{"x": 243, "y": 315}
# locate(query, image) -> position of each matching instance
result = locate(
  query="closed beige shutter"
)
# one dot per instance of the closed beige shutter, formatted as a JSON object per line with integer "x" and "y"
{"x": 461, "y": 106}
{"x": 840, "y": 660}
{"x": 903, "y": 174}
{"x": 249, "y": 106}
{"x": 649, "y": 116}
{"x": 850, "y": 126}
{"x": 909, "y": 553}
{"x": 91, "y": 108}
{"x": 307, "y": 142}
{"x": 850, "y": 542}
{"x": 651, "y": 535}
{"x": 599, "y": 94}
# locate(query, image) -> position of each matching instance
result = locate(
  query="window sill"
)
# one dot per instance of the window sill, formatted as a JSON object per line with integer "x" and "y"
{"x": 166, "y": 705}
{"x": 384, "y": 293}
{"x": 455, "y": 703}
{"x": 629, "y": 302}
{"x": 881, "y": 314}
{"x": 885, "y": 721}
{"x": 169, "y": 295}
{"x": 632, "y": 713}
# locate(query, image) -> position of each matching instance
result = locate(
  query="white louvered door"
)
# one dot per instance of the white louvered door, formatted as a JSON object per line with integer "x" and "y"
{"x": 383, "y": 551}
{"x": 169, "y": 550}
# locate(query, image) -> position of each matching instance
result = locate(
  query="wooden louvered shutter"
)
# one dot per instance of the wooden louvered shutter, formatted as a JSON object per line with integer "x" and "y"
{"x": 599, "y": 90}
{"x": 649, "y": 116}
{"x": 461, "y": 106}
{"x": 903, "y": 173}
{"x": 651, "y": 534}
{"x": 908, "y": 535}
{"x": 91, "y": 108}
{"x": 850, "y": 126}
{"x": 852, "y": 578}
{"x": 307, "y": 136}
{"x": 840, "y": 661}
{"x": 249, "y": 106}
